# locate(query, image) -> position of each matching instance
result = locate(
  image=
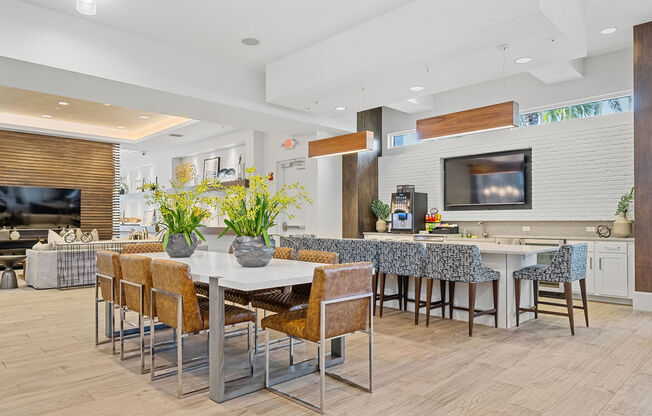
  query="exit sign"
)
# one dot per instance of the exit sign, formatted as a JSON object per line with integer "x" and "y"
{"x": 288, "y": 144}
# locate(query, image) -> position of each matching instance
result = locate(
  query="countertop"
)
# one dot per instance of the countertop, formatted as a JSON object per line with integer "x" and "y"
{"x": 457, "y": 237}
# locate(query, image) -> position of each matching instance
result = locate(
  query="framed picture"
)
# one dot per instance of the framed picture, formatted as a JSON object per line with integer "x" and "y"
{"x": 211, "y": 167}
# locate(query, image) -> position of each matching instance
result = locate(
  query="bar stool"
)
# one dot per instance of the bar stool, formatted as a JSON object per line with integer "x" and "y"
{"x": 403, "y": 259}
{"x": 567, "y": 266}
{"x": 107, "y": 281}
{"x": 177, "y": 305}
{"x": 340, "y": 305}
{"x": 432, "y": 270}
{"x": 135, "y": 296}
{"x": 353, "y": 250}
{"x": 461, "y": 263}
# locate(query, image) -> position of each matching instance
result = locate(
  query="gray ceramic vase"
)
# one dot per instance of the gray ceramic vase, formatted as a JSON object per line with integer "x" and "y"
{"x": 252, "y": 251}
{"x": 178, "y": 246}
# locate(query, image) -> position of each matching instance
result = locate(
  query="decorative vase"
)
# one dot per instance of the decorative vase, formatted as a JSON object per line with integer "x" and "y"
{"x": 178, "y": 246}
{"x": 622, "y": 226}
{"x": 252, "y": 251}
{"x": 381, "y": 225}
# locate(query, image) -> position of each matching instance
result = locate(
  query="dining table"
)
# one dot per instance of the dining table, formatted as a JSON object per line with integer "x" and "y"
{"x": 222, "y": 271}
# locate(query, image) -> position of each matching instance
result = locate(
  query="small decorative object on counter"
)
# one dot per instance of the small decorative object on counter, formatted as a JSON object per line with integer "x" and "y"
{"x": 622, "y": 225}
{"x": 14, "y": 235}
{"x": 381, "y": 210}
{"x": 603, "y": 231}
{"x": 433, "y": 219}
{"x": 241, "y": 168}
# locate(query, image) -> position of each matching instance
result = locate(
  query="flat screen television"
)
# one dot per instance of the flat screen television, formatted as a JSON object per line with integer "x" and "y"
{"x": 39, "y": 208}
{"x": 488, "y": 181}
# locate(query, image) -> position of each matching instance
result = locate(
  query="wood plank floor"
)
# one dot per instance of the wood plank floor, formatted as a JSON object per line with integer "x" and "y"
{"x": 50, "y": 366}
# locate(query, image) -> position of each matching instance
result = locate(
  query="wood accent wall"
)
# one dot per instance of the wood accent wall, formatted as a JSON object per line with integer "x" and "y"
{"x": 643, "y": 155}
{"x": 58, "y": 162}
{"x": 347, "y": 143}
{"x": 360, "y": 179}
{"x": 477, "y": 119}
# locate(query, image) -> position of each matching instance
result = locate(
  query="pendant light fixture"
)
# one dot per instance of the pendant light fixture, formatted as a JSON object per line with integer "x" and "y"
{"x": 87, "y": 7}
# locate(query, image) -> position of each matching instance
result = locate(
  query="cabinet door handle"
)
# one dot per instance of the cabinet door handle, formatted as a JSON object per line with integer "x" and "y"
{"x": 591, "y": 263}
{"x": 600, "y": 263}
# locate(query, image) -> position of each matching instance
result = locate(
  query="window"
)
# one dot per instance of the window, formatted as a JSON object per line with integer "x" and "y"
{"x": 583, "y": 110}
{"x": 402, "y": 138}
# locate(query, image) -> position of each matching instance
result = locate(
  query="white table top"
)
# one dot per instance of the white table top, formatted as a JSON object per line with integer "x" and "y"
{"x": 278, "y": 273}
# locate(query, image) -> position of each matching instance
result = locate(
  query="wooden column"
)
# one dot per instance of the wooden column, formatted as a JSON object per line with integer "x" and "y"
{"x": 643, "y": 154}
{"x": 360, "y": 179}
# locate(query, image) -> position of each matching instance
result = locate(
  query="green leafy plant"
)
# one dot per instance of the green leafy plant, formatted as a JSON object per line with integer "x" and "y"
{"x": 625, "y": 200}
{"x": 182, "y": 210}
{"x": 380, "y": 209}
{"x": 252, "y": 211}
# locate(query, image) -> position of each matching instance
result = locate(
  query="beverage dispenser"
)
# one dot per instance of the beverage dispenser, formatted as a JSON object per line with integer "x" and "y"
{"x": 409, "y": 210}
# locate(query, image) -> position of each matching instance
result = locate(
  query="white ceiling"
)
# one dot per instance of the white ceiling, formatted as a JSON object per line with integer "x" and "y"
{"x": 314, "y": 55}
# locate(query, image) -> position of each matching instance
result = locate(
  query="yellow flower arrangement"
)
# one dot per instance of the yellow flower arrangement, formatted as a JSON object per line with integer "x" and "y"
{"x": 252, "y": 211}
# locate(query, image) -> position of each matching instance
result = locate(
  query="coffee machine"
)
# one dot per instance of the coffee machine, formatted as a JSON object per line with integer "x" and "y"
{"x": 408, "y": 210}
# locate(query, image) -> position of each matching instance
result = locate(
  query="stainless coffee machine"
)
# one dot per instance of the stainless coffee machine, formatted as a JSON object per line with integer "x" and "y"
{"x": 409, "y": 210}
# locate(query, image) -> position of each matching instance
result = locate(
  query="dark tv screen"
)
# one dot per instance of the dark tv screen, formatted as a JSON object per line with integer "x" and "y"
{"x": 488, "y": 181}
{"x": 32, "y": 207}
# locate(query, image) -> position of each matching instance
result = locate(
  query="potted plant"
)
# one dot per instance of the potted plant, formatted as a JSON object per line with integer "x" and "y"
{"x": 381, "y": 210}
{"x": 622, "y": 225}
{"x": 181, "y": 213}
{"x": 252, "y": 211}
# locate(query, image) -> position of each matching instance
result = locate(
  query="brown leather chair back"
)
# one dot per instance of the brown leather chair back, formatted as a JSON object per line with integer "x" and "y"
{"x": 318, "y": 256}
{"x": 174, "y": 277}
{"x": 137, "y": 269}
{"x": 142, "y": 248}
{"x": 337, "y": 281}
{"x": 108, "y": 263}
{"x": 284, "y": 253}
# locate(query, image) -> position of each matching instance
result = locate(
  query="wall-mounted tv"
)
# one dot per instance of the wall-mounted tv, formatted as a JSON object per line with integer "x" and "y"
{"x": 489, "y": 181}
{"x": 39, "y": 208}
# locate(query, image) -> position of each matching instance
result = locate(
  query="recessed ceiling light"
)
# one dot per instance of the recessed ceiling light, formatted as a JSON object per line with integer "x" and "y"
{"x": 608, "y": 30}
{"x": 107, "y": 105}
{"x": 143, "y": 117}
{"x": 63, "y": 103}
{"x": 523, "y": 60}
{"x": 176, "y": 135}
{"x": 87, "y": 7}
{"x": 46, "y": 115}
{"x": 340, "y": 108}
{"x": 250, "y": 41}
{"x": 416, "y": 88}
{"x": 121, "y": 127}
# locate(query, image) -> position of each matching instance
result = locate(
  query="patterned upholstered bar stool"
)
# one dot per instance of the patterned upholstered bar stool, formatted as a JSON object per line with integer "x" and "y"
{"x": 339, "y": 306}
{"x": 134, "y": 295}
{"x": 432, "y": 271}
{"x": 403, "y": 259}
{"x": 177, "y": 305}
{"x": 353, "y": 250}
{"x": 568, "y": 265}
{"x": 107, "y": 282}
{"x": 461, "y": 263}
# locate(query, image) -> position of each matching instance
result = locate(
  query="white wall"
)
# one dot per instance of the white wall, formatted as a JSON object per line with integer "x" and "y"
{"x": 580, "y": 168}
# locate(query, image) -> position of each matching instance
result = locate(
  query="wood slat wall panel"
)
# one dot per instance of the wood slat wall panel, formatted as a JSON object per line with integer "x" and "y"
{"x": 58, "y": 162}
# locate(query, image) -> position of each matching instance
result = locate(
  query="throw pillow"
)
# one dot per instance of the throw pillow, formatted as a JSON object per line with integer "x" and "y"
{"x": 78, "y": 234}
{"x": 43, "y": 247}
{"x": 70, "y": 237}
{"x": 96, "y": 235}
{"x": 54, "y": 238}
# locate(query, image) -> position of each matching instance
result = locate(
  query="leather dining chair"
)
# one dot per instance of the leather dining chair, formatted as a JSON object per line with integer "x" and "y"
{"x": 135, "y": 296}
{"x": 339, "y": 305}
{"x": 462, "y": 263}
{"x": 138, "y": 248}
{"x": 177, "y": 305}
{"x": 568, "y": 265}
{"x": 107, "y": 284}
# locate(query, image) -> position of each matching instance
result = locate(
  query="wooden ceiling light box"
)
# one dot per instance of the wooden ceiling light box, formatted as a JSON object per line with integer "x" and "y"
{"x": 491, "y": 117}
{"x": 338, "y": 145}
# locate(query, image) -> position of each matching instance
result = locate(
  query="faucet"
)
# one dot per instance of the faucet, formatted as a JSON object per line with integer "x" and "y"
{"x": 483, "y": 234}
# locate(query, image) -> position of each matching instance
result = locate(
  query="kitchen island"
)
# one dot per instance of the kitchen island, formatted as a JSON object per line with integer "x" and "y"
{"x": 505, "y": 259}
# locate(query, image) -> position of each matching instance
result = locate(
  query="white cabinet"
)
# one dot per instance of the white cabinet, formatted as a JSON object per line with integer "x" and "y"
{"x": 606, "y": 269}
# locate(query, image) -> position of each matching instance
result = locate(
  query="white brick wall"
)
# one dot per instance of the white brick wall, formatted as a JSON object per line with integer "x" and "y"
{"x": 580, "y": 168}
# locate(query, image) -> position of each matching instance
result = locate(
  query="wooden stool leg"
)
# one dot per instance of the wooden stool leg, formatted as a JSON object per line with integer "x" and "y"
{"x": 517, "y": 294}
{"x": 442, "y": 288}
{"x": 472, "y": 288}
{"x": 535, "y": 287}
{"x": 452, "y": 298}
{"x": 399, "y": 283}
{"x": 406, "y": 286}
{"x": 382, "y": 293}
{"x": 584, "y": 302}
{"x": 428, "y": 300}
{"x": 417, "y": 299}
{"x": 568, "y": 291}
{"x": 495, "y": 287}
{"x": 374, "y": 283}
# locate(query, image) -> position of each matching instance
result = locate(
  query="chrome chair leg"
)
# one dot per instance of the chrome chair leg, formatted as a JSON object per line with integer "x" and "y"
{"x": 291, "y": 350}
